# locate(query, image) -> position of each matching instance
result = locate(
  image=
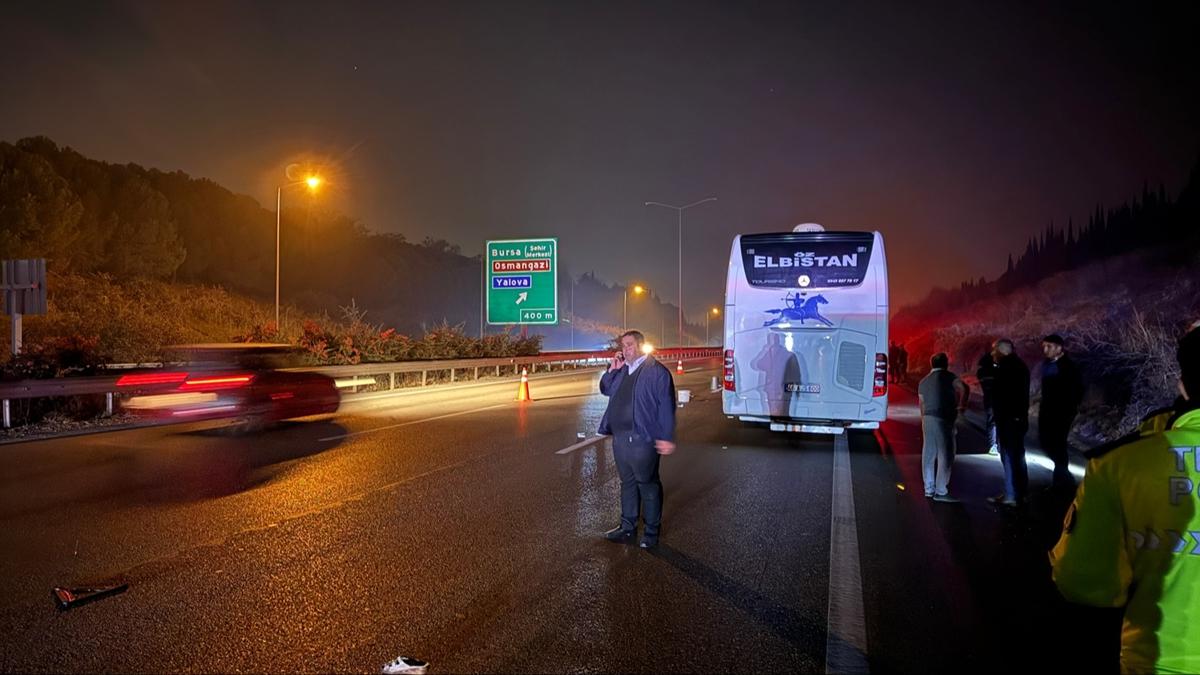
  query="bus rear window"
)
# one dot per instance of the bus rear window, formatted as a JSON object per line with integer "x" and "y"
{"x": 828, "y": 259}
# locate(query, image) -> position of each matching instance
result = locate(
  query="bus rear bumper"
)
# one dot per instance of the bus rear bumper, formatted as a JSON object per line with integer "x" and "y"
{"x": 810, "y": 426}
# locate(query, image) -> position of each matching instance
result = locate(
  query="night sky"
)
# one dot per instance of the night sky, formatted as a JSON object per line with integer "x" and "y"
{"x": 956, "y": 129}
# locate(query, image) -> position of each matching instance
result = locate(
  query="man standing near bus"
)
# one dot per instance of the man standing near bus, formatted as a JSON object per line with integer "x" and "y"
{"x": 641, "y": 419}
{"x": 1132, "y": 536}
{"x": 1011, "y": 407}
{"x": 1062, "y": 392}
{"x": 943, "y": 398}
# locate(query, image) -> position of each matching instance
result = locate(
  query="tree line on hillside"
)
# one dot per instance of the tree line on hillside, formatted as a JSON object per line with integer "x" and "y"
{"x": 1151, "y": 220}
{"x": 127, "y": 221}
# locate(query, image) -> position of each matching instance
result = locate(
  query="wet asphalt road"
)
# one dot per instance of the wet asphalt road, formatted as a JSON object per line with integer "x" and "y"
{"x": 446, "y": 526}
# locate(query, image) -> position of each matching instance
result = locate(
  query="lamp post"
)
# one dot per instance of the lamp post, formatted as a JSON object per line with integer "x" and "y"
{"x": 313, "y": 182}
{"x": 679, "y": 210}
{"x": 637, "y": 290}
{"x": 711, "y": 313}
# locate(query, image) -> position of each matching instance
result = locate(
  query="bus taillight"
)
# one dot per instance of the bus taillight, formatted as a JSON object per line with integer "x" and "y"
{"x": 728, "y": 371}
{"x": 881, "y": 375}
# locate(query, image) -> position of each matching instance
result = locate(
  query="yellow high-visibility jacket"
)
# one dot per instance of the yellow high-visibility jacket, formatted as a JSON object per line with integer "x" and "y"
{"x": 1132, "y": 539}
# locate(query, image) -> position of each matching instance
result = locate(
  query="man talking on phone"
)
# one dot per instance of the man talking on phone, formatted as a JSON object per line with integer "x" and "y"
{"x": 641, "y": 420}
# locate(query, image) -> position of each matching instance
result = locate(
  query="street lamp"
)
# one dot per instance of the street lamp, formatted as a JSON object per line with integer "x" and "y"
{"x": 679, "y": 210}
{"x": 637, "y": 290}
{"x": 313, "y": 182}
{"x": 711, "y": 313}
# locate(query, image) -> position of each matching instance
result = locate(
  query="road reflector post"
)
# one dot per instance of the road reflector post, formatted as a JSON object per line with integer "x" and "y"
{"x": 523, "y": 388}
{"x": 679, "y": 367}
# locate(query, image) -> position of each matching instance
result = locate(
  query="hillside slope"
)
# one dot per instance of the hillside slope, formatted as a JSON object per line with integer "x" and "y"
{"x": 1121, "y": 316}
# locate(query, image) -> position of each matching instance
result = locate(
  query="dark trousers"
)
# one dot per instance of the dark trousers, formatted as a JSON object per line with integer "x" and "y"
{"x": 1053, "y": 430}
{"x": 637, "y": 464}
{"x": 1010, "y": 436}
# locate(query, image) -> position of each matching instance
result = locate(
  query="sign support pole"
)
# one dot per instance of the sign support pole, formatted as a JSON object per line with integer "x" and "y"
{"x": 16, "y": 333}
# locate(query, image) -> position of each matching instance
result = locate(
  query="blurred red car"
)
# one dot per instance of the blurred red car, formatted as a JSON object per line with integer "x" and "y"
{"x": 246, "y": 381}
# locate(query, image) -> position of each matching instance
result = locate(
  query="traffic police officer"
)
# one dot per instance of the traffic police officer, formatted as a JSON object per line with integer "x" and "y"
{"x": 1132, "y": 536}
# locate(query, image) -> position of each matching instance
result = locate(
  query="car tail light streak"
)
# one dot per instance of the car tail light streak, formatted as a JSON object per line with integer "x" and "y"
{"x": 881, "y": 375}
{"x": 151, "y": 379}
{"x": 216, "y": 382}
{"x": 727, "y": 372}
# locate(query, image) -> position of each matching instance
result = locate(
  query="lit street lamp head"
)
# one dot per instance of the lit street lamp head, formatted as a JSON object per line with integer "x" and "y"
{"x": 313, "y": 182}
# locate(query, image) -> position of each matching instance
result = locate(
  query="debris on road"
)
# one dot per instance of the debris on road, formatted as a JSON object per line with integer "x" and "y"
{"x": 73, "y": 597}
{"x": 404, "y": 665}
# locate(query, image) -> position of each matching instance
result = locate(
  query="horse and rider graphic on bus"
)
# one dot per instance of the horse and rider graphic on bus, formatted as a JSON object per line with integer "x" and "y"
{"x": 799, "y": 309}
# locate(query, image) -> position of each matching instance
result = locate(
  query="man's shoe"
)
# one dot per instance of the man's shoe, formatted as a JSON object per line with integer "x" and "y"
{"x": 618, "y": 534}
{"x": 1001, "y": 500}
{"x": 649, "y": 542}
{"x": 946, "y": 499}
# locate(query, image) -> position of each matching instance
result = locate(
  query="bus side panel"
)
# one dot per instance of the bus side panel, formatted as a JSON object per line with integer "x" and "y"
{"x": 730, "y": 403}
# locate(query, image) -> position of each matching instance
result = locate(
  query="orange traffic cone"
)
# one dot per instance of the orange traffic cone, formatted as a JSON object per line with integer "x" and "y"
{"x": 523, "y": 389}
{"x": 679, "y": 367}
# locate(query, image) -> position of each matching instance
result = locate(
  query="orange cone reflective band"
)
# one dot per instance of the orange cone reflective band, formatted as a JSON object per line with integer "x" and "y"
{"x": 523, "y": 389}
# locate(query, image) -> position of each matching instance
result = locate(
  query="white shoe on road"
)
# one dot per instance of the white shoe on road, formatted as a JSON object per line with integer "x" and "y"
{"x": 404, "y": 665}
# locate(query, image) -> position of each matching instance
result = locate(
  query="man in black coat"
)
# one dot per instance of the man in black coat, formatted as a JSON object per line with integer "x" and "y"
{"x": 1011, "y": 407}
{"x": 641, "y": 419}
{"x": 1062, "y": 392}
{"x": 986, "y": 374}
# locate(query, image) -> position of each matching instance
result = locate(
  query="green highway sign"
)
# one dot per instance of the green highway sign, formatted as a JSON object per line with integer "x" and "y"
{"x": 522, "y": 281}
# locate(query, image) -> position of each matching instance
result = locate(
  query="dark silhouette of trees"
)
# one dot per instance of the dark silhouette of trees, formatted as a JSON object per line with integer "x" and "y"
{"x": 132, "y": 222}
{"x": 1148, "y": 220}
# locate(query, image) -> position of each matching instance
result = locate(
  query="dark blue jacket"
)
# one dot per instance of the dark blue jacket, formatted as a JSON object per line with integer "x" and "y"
{"x": 653, "y": 400}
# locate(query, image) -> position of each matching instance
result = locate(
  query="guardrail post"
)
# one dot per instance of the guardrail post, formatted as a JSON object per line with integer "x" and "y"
{"x": 391, "y": 381}
{"x": 424, "y": 374}
{"x": 108, "y": 396}
{"x": 452, "y": 374}
{"x": 497, "y": 371}
{"x": 7, "y": 417}
{"x": 477, "y": 372}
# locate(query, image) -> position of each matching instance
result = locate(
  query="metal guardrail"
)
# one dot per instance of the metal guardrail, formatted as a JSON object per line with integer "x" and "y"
{"x": 374, "y": 377}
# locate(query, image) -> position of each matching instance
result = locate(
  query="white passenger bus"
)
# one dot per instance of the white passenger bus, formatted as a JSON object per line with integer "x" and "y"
{"x": 806, "y": 330}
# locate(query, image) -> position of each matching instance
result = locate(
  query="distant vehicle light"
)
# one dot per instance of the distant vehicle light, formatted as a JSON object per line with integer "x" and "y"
{"x": 647, "y": 348}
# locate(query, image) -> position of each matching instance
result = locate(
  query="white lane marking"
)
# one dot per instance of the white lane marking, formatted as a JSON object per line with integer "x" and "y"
{"x": 846, "y": 632}
{"x": 581, "y": 444}
{"x": 426, "y": 419}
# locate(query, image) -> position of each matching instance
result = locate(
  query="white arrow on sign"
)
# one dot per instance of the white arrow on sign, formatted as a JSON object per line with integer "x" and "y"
{"x": 522, "y": 297}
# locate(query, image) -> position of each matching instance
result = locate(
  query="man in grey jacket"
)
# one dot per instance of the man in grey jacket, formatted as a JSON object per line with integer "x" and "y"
{"x": 943, "y": 397}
